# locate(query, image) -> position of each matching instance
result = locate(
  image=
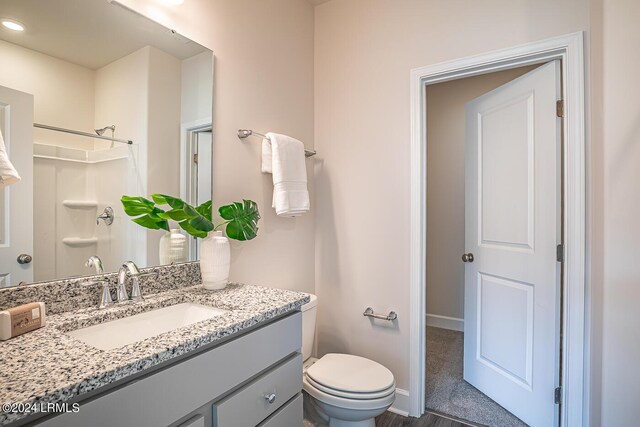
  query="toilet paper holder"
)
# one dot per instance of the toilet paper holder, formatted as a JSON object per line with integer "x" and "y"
{"x": 390, "y": 317}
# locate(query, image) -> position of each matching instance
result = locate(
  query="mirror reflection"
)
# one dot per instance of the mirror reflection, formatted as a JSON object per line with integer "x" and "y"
{"x": 96, "y": 102}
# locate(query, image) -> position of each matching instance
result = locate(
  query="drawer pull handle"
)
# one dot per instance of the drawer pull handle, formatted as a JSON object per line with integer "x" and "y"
{"x": 270, "y": 397}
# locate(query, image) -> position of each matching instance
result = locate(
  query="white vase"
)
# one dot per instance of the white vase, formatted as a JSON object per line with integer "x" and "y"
{"x": 173, "y": 247}
{"x": 215, "y": 260}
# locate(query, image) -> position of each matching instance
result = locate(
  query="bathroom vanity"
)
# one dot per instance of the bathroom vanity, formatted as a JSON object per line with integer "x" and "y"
{"x": 241, "y": 367}
{"x": 254, "y": 379}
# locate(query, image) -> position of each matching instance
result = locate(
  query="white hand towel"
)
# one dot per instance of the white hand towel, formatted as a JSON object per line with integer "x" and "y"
{"x": 283, "y": 157}
{"x": 267, "y": 158}
{"x": 8, "y": 174}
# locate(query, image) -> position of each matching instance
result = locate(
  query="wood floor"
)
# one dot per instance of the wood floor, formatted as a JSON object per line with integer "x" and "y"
{"x": 389, "y": 419}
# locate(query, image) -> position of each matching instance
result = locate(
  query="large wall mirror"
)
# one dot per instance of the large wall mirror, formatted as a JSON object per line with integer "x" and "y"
{"x": 96, "y": 102}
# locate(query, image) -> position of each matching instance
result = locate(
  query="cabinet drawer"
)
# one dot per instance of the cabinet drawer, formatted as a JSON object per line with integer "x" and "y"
{"x": 290, "y": 415}
{"x": 250, "y": 405}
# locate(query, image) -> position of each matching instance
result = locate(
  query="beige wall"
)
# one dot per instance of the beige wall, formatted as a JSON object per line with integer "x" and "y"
{"x": 165, "y": 78}
{"x": 619, "y": 292}
{"x": 263, "y": 81}
{"x": 122, "y": 99}
{"x": 62, "y": 92}
{"x": 595, "y": 215}
{"x": 364, "y": 50}
{"x": 445, "y": 187}
{"x": 197, "y": 87}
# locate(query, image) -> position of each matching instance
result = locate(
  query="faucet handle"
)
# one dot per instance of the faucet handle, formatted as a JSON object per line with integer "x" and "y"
{"x": 122, "y": 291}
{"x": 107, "y": 216}
{"x": 105, "y": 295}
{"x": 136, "y": 293}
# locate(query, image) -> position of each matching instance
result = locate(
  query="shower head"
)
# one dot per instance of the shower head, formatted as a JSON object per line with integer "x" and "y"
{"x": 102, "y": 131}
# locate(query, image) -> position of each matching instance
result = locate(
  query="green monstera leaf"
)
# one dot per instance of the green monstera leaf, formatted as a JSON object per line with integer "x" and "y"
{"x": 195, "y": 221}
{"x": 205, "y": 210}
{"x": 146, "y": 213}
{"x": 242, "y": 219}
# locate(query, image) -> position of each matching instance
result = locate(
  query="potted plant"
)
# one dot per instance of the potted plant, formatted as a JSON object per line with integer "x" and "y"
{"x": 239, "y": 218}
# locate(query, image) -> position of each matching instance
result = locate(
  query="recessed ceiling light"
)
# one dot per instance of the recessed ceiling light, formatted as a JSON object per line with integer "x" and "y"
{"x": 13, "y": 25}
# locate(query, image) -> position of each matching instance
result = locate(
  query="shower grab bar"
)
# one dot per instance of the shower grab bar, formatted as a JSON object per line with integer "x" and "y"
{"x": 390, "y": 317}
{"x": 77, "y": 132}
{"x": 243, "y": 133}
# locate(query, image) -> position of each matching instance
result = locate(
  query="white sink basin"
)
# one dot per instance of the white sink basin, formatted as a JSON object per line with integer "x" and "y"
{"x": 121, "y": 332}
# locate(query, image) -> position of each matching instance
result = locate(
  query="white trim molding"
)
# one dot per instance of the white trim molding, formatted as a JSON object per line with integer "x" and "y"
{"x": 188, "y": 133}
{"x": 401, "y": 404}
{"x": 445, "y": 322}
{"x": 570, "y": 51}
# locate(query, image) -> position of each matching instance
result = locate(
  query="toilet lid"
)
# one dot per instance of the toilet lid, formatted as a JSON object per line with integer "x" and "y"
{"x": 355, "y": 374}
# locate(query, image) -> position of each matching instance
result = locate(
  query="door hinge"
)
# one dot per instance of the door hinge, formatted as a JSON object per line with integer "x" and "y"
{"x": 557, "y": 395}
{"x": 195, "y": 159}
{"x": 560, "y": 253}
{"x": 560, "y": 108}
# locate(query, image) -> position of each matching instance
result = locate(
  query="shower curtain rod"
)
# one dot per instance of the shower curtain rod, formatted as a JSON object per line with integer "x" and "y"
{"x": 77, "y": 132}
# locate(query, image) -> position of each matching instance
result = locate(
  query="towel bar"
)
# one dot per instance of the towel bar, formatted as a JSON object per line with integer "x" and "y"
{"x": 390, "y": 317}
{"x": 243, "y": 133}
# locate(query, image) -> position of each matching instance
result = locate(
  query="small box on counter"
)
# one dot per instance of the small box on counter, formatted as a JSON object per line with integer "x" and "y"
{"x": 22, "y": 319}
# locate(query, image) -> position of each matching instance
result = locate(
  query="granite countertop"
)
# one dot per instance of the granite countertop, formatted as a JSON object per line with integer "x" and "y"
{"x": 48, "y": 366}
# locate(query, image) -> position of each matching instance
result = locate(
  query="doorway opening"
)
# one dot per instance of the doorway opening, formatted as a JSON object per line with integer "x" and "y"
{"x": 447, "y": 391}
{"x": 569, "y": 51}
{"x": 196, "y": 163}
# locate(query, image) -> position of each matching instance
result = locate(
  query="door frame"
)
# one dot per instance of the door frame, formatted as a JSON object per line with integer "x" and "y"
{"x": 188, "y": 133}
{"x": 569, "y": 49}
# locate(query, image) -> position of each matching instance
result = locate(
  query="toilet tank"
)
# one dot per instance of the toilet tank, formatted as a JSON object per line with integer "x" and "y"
{"x": 309, "y": 311}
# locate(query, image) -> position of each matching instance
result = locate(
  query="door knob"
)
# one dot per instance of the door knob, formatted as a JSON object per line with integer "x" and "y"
{"x": 467, "y": 257}
{"x": 24, "y": 259}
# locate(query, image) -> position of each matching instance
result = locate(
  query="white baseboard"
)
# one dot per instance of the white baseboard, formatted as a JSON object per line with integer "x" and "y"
{"x": 401, "y": 405}
{"x": 445, "y": 322}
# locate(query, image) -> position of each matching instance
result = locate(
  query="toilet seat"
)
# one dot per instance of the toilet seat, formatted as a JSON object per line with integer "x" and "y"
{"x": 348, "y": 381}
{"x": 351, "y": 395}
{"x": 350, "y": 374}
{"x": 352, "y": 404}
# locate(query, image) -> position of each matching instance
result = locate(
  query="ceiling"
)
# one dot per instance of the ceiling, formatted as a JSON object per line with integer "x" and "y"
{"x": 90, "y": 33}
{"x": 317, "y": 2}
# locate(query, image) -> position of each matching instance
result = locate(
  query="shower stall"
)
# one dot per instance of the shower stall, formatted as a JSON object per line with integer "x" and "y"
{"x": 77, "y": 190}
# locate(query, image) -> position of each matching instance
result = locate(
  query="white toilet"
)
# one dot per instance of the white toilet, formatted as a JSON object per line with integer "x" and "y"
{"x": 346, "y": 390}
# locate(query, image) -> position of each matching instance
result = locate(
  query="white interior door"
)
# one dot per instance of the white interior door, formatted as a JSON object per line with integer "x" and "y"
{"x": 512, "y": 228}
{"x": 16, "y": 201}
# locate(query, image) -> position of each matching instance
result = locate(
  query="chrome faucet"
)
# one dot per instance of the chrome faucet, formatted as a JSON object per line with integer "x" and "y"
{"x": 95, "y": 262}
{"x": 129, "y": 268}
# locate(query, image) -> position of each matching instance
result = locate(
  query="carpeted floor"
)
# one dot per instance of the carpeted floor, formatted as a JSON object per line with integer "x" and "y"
{"x": 448, "y": 393}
